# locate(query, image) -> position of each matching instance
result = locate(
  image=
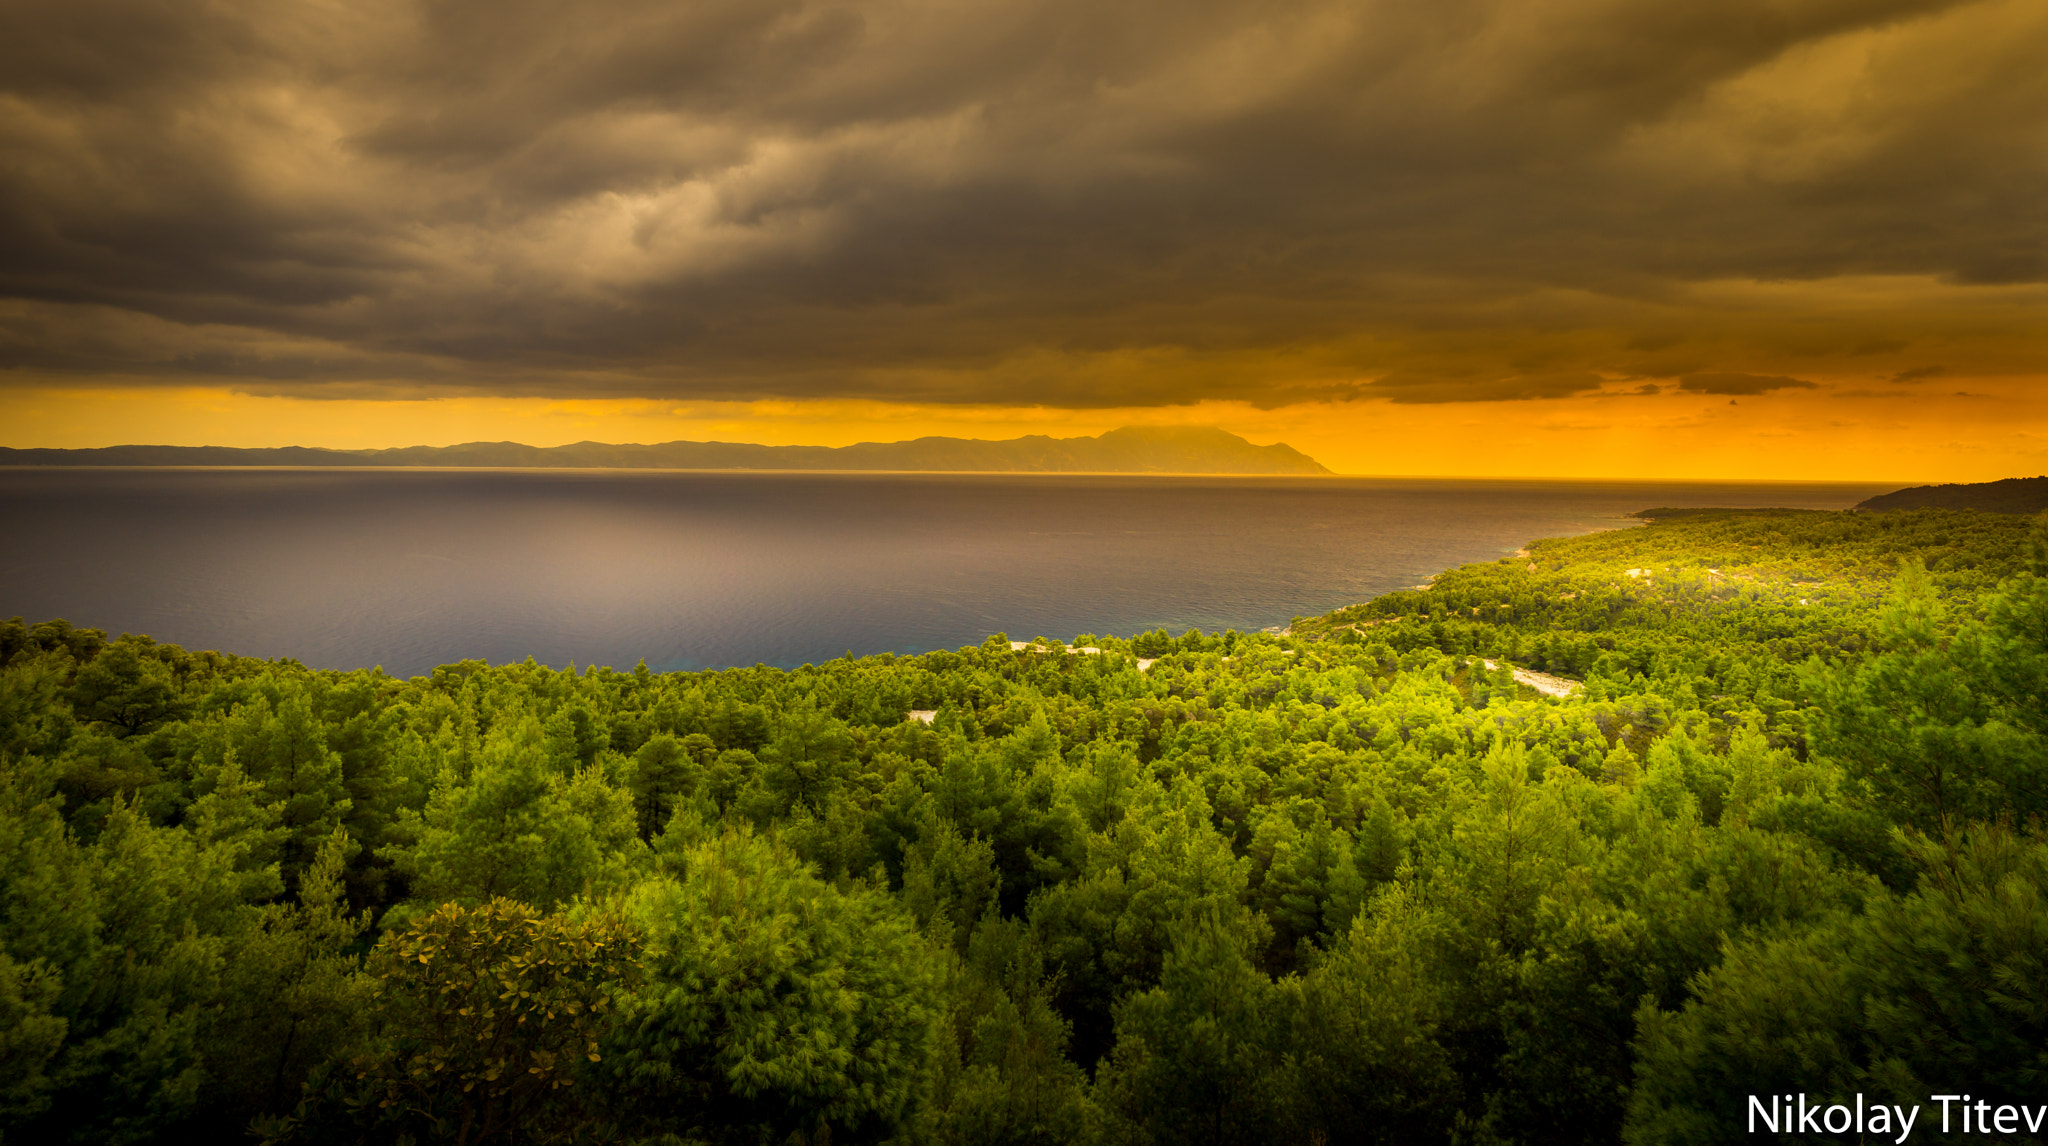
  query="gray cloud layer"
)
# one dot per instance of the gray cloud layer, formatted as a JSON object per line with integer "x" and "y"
{"x": 1049, "y": 201}
{"x": 1740, "y": 383}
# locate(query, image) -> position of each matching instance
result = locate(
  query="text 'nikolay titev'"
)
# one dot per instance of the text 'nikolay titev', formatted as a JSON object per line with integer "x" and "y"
{"x": 1793, "y": 1114}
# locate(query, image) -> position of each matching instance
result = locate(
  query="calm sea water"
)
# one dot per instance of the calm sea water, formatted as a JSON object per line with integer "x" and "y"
{"x": 409, "y": 568}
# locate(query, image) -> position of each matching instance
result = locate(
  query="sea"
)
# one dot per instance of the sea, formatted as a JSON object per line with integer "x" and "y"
{"x": 411, "y": 568}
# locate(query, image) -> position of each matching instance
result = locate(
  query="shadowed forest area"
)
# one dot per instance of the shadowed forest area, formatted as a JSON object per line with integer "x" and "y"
{"x": 1353, "y": 883}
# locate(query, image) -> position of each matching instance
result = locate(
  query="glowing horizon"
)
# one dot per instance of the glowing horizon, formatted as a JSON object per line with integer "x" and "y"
{"x": 1674, "y": 437}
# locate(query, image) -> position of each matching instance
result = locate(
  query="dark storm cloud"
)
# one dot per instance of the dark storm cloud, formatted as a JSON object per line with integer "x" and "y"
{"x": 1052, "y": 201}
{"x": 1740, "y": 383}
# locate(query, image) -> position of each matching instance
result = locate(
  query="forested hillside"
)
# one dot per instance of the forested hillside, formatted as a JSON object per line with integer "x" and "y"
{"x": 2013, "y": 495}
{"x": 1350, "y": 884}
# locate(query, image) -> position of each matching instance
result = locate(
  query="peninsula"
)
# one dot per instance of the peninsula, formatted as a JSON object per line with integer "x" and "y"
{"x": 2013, "y": 495}
{"x": 1132, "y": 449}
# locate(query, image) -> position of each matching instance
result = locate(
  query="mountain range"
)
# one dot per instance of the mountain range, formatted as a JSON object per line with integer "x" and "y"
{"x": 1132, "y": 449}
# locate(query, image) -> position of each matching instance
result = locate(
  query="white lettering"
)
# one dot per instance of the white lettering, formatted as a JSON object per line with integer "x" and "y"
{"x": 1906, "y": 1121}
{"x": 1880, "y": 1119}
{"x": 1945, "y": 1099}
{"x": 1828, "y": 1119}
{"x": 1806, "y": 1118}
{"x": 2033, "y": 1118}
{"x": 1756, "y": 1110}
{"x": 2005, "y": 1114}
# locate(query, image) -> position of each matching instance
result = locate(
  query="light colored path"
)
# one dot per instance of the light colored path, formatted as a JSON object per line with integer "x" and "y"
{"x": 1542, "y": 682}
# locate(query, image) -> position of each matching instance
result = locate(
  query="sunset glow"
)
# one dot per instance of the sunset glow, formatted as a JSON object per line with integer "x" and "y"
{"x": 1990, "y": 432}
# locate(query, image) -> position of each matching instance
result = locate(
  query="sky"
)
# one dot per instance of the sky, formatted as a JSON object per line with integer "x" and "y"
{"x": 1662, "y": 238}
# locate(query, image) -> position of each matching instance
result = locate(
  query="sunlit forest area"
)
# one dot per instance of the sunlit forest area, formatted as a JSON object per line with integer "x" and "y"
{"x": 1353, "y": 883}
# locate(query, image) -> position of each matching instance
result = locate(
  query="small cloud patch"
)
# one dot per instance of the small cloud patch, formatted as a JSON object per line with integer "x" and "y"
{"x": 1418, "y": 389}
{"x": 1742, "y": 383}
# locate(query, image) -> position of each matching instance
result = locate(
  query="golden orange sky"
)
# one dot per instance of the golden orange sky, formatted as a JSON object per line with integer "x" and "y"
{"x": 1905, "y": 437}
{"x": 1682, "y": 238}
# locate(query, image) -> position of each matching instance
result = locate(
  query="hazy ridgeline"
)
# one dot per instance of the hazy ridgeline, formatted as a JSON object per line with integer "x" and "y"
{"x": 1346, "y": 885}
{"x": 1132, "y": 449}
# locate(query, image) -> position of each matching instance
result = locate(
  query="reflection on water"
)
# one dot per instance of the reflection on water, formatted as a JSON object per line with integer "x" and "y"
{"x": 413, "y": 568}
